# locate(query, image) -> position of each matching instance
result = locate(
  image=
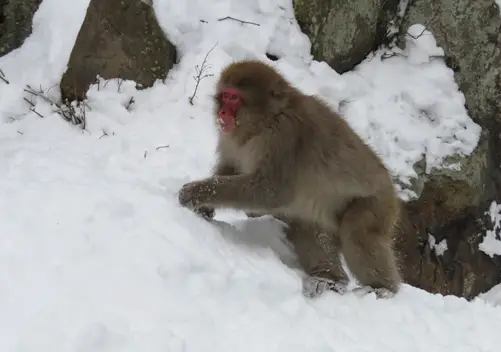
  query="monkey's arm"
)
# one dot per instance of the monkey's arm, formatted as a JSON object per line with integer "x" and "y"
{"x": 267, "y": 188}
{"x": 244, "y": 191}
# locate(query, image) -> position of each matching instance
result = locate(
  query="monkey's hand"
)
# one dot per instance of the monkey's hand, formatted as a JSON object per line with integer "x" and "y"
{"x": 246, "y": 192}
{"x": 205, "y": 211}
{"x": 190, "y": 196}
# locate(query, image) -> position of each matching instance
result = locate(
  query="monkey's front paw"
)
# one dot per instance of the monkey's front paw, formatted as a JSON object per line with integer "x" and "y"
{"x": 206, "y": 212}
{"x": 314, "y": 286}
{"x": 189, "y": 195}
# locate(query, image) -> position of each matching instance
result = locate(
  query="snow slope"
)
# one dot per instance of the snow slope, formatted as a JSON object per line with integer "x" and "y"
{"x": 95, "y": 253}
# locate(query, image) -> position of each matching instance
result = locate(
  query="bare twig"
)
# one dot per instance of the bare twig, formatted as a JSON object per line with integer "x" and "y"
{"x": 104, "y": 134}
{"x": 389, "y": 54}
{"x": 236, "y": 19}
{"x": 131, "y": 101}
{"x": 161, "y": 147}
{"x": 426, "y": 25}
{"x": 120, "y": 81}
{"x": 3, "y": 78}
{"x": 21, "y": 133}
{"x": 48, "y": 90}
{"x": 419, "y": 35}
{"x": 66, "y": 111}
{"x": 145, "y": 153}
{"x": 36, "y": 112}
{"x": 29, "y": 102}
{"x": 32, "y": 107}
{"x": 201, "y": 74}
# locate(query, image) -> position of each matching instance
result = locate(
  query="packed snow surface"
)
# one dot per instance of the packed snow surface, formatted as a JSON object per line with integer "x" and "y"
{"x": 97, "y": 255}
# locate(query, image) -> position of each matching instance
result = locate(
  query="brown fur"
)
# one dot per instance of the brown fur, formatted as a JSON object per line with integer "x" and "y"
{"x": 292, "y": 156}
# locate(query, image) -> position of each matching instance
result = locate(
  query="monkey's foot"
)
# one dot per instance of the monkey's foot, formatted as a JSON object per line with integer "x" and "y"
{"x": 314, "y": 286}
{"x": 253, "y": 215}
{"x": 380, "y": 292}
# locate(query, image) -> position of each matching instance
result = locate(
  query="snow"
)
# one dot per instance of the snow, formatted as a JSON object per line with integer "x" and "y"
{"x": 97, "y": 255}
{"x": 412, "y": 88}
{"x": 491, "y": 244}
{"x": 493, "y": 296}
{"x": 438, "y": 248}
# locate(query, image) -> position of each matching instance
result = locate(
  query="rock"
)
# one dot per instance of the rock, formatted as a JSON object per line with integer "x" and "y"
{"x": 117, "y": 39}
{"x": 469, "y": 31}
{"x": 451, "y": 207}
{"x": 15, "y": 23}
{"x": 343, "y": 33}
{"x": 452, "y": 203}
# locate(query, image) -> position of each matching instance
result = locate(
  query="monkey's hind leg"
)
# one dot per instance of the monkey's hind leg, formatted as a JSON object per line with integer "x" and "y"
{"x": 319, "y": 257}
{"x": 365, "y": 230}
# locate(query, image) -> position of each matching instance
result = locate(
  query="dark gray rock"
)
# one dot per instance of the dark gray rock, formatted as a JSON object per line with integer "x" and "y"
{"x": 118, "y": 39}
{"x": 343, "y": 33}
{"x": 15, "y": 23}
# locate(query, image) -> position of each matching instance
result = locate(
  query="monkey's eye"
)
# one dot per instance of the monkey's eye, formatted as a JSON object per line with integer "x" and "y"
{"x": 225, "y": 95}
{"x": 233, "y": 97}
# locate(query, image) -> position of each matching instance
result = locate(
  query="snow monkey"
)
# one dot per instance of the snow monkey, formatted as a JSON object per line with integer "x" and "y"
{"x": 287, "y": 154}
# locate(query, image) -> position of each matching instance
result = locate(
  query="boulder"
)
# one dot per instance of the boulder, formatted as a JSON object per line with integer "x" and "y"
{"x": 118, "y": 39}
{"x": 15, "y": 23}
{"x": 343, "y": 33}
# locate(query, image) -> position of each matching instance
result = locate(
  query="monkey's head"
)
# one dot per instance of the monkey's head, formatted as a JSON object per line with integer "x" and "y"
{"x": 247, "y": 94}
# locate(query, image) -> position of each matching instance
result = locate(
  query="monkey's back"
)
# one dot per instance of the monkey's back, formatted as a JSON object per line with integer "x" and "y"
{"x": 333, "y": 163}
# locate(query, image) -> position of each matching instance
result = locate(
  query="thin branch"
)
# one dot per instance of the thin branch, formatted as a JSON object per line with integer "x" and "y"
{"x": 162, "y": 147}
{"x": 32, "y": 107}
{"x": 104, "y": 134}
{"x": 236, "y": 19}
{"x": 3, "y": 78}
{"x": 29, "y": 102}
{"x": 120, "y": 81}
{"x": 36, "y": 112}
{"x": 417, "y": 36}
{"x": 66, "y": 111}
{"x": 201, "y": 74}
{"x": 389, "y": 54}
{"x": 131, "y": 101}
{"x": 426, "y": 25}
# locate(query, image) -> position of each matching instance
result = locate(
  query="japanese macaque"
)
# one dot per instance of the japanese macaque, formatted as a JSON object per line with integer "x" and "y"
{"x": 287, "y": 154}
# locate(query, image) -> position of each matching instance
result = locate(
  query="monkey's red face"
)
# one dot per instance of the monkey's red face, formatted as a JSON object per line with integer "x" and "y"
{"x": 231, "y": 101}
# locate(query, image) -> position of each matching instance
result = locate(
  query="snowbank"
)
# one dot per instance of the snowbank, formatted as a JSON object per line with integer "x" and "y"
{"x": 96, "y": 254}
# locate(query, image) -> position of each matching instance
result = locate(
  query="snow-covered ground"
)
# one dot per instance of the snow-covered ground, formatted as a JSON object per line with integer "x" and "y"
{"x": 96, "y": 254}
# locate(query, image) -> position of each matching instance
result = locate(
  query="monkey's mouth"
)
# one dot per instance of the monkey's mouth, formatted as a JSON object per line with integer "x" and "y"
{"x": 227, "y": 119}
